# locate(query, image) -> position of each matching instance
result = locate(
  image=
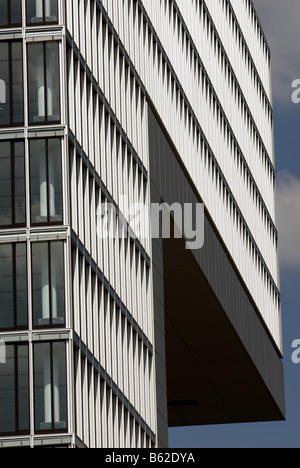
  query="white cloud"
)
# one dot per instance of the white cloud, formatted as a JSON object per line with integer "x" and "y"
{"x": 280, "y": 20}
{"x": 288, "y": 219}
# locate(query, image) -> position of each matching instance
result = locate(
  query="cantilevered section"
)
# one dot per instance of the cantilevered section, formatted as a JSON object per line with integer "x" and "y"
{"x": 222, "y": 364}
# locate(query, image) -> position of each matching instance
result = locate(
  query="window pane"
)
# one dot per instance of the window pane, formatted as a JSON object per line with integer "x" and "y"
{"x": 10, "y": 13}
{"x": 31, "y": 11}
{"x": 12, "y": 184}
{"x": 44, "y": 92}
{"x": 55, "y": 182}
{"x": 21, "y": 285}
{"x": 7, "y": 393}
{"x": 57, "y": 283}
{"x": 4, "y": 85}
{"x": 46, "y": 183}
{"x": 59, "y": 386}
{"x": 53, "y": 95}
{"x": 48, "y": 284}
{"x": 38, "y": 178}
{"x": 5, "y": 184}
{"x": 6, "y": 288}
{"x": 39, "y": 11}
{"x": 13, "y": 286}
{"x": 40, "y": 284}
{"x": 3, "y": 14}
{"x": 15, "y": 11}
{"x": 51, "y": 13}
{"x": 11, "y": 83}
{"x": 50, "y": 386}
{"x": 17, "y": 82}
{"x": 36, "y": 85}
{"x": 42, "y": 384}
{"x": 23, "y": 390}
{"x": 19, "y": 166}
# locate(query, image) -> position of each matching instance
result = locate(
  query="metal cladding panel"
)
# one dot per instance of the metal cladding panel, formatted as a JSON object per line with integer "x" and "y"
{"x": 208, "y": 90}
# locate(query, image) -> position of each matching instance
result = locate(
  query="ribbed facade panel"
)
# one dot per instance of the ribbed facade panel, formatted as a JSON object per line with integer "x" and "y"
{"x": 249, "y": 117}
{"x": 257, "y": 186}
{"x": 250, "y": 239}
{"x": 114, "y": 165}
{"x": 255, "y": 38}
{"x": 247, "y": 70}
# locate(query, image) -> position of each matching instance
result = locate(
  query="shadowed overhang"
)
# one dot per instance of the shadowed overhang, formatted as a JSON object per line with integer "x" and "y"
{"x": 211, "y": 378}
{"x": 223, "y": 365}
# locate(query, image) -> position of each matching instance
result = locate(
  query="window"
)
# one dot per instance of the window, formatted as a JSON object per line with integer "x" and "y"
{"x": 13, "y": 286}
{"x": 48, "y": 286}
{"x": 14, "y": 391}
{"x": 50, "y": 387}
{"x": 41, "y": 12}
{"x": 12, "y": 184}
{"x": 45, "y": 181}
{"x": 11, "y": 84}
{"x": 10, "y": 13}
{"x": 43, "y": 83}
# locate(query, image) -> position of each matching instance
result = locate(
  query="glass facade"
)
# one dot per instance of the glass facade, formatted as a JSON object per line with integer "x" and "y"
{"x": 46, "y": 181}
{"x": 32, "y": 272}
{"x": 14, "y": 391}
{"x": 11, "y": 84}
{"x": 12, "y": 184}
{"x": 50, "y": 387}
{"x": 43, "y": 83}
{"x": 10, "y": 13}
{"x": 13, "y": 286}
{"x": 48, "y": 288}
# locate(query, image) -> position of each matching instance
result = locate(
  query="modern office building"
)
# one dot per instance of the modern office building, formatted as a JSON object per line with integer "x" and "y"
{"x": 107, "y": 342}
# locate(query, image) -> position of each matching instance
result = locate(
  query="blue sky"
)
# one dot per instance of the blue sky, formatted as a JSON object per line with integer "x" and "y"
{"x": 281, "y": 23}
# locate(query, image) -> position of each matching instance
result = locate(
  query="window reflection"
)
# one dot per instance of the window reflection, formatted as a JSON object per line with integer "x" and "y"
{"x": 46, "y": 183}
{"x": 7, "y": 393}
{"x": 4, "y": 84}
{"x": 48, "y": 284}
{"x": 43, "y": 88}
{"x": 42, "y": 11}
{"x": 50, "y": 387}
